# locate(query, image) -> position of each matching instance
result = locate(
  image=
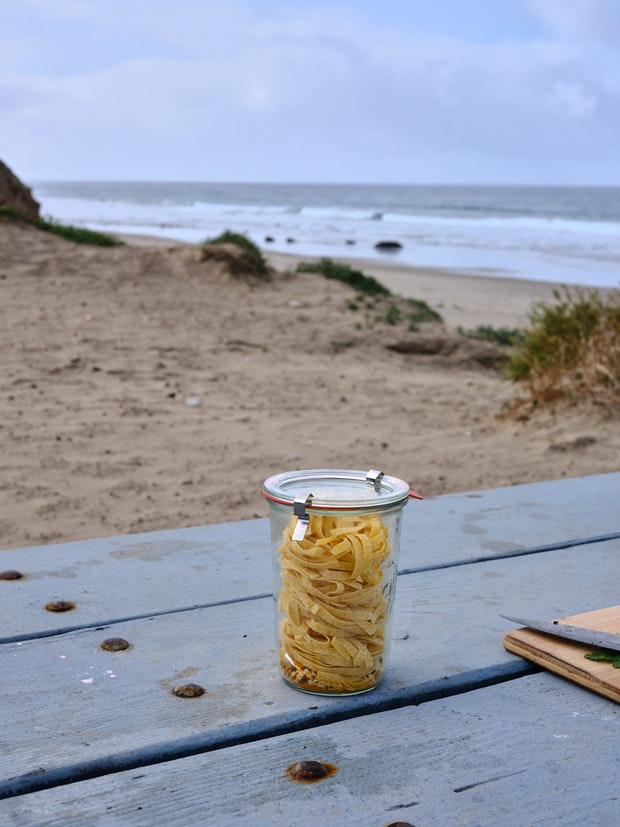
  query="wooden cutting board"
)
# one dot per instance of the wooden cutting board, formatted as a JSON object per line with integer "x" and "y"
{"x": 566, "y": 657}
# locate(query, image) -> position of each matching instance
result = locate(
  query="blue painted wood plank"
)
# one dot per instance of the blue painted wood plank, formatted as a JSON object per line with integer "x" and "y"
{"x": 476, "y": 525}
{"x": 132, "y": 576}
{"x": 172, "y": 570}
{"x": 536, "y": 750}
{"x": 71, "y": 708}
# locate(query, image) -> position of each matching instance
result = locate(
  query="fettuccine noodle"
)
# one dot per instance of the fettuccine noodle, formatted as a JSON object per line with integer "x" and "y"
{"x": 332, "y": 600}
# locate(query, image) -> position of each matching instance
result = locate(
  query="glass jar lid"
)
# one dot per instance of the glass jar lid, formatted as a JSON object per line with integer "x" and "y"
{"x": 337, "y": 489}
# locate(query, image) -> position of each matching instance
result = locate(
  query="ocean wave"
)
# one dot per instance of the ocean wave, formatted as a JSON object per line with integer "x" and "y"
{"x": 242, "y": 209}
{"x": 345, "y": 213}
{"x": 530, "y": 223}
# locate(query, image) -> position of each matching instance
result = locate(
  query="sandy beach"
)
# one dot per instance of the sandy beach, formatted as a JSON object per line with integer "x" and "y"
{"x": 144, "y": 388}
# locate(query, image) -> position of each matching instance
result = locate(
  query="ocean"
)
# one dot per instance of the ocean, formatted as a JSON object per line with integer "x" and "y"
{"x": 567, "y": 235}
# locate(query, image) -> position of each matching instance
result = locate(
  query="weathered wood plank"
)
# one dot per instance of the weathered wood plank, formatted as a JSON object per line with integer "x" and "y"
{"x": 536, "y": 750}
{"x": 70, "y": 708}
{"x": 172, "y": 570}
{"x": 116, "y": 578}
{"x": 502, "y": 521}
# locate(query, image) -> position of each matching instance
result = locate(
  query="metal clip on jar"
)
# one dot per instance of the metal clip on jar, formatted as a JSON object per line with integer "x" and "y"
{"x": 335, "y": 537}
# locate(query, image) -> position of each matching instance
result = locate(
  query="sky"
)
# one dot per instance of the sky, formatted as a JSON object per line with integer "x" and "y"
{"x": 343, "y": 91}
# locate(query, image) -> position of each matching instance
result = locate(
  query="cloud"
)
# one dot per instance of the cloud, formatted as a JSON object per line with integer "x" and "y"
{"x": 196, "y": 89}
{"x": 580, "y": 21}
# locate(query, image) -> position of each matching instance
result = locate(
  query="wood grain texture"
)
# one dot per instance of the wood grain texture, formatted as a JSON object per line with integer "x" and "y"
{"x": 117, "y": 578}
{"x": 503, "y": 521}
{"x": 536, "y": 750}
{"x": 70, "y": 707}
{"x": 567, "y": 658}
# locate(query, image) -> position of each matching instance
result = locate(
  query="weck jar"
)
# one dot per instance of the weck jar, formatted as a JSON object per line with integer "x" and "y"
{"x": 335, "y": 537}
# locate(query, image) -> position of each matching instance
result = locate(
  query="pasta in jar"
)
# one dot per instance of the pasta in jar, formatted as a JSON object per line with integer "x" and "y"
{"x": 333, "y": 602}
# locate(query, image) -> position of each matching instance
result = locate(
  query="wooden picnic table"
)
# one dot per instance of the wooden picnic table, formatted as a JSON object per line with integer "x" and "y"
{"x": 459, "y": 732}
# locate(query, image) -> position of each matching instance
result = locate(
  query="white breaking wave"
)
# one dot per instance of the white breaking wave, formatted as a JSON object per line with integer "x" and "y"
{"x": 348, "y": 214}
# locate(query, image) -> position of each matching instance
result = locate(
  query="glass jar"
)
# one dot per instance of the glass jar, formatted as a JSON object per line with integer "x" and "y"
{"x": 335, "y": 537}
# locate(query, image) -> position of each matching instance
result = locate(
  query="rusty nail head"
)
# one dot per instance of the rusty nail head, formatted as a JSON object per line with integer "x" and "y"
{"x": 115, "y": 644}
{"x": 188, "y": 690}
{"x": 11, "y": 574}
{"x": 60, "y": 606}
{"x": 310, "y": 771}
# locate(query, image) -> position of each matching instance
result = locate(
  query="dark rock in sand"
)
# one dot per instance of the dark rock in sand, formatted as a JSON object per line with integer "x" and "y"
{"x": 16, "y": 195}
{"x": 343, "y": 342}
{"x": 573, "y": 444}
{"x": 350, "y": 241}
{"x": 388, "y": 246}
{"x": 451, "y": 348}
{"x": 269, "y": 239}
{"x": 290, "y": 240}
{"x": 426, "y": 344}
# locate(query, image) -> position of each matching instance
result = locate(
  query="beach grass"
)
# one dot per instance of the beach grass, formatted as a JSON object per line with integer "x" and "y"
{"x": 255, "y": 257}
{"x": 374, "y": 296}
{"x": 79, "y": 235}
{"x": 343, "y": 272}
{"x": 419, "y": 311}
{"x": 507, "y": 337}
{"x": 571, "y": 349}
{"x": 414, "y": 313}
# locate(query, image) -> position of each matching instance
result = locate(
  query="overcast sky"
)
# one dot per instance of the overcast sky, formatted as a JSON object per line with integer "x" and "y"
{"x": 411, "y": 91}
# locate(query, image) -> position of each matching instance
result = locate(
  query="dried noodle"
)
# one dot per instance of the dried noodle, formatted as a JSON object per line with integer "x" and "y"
{"x": 332, "y": 632}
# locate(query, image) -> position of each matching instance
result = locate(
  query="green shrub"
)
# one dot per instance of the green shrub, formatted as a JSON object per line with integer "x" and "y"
{"x": 243, "y": 242}
{"x": 571, "y": 349}
{"x": 373, "y": 295}
{"x": 79, "y": 235}
{"x": 342, "y": 272}
{"x": 421, "y": 312}
{"x": 505, "y": 336}
{"x": 393, "y": 314}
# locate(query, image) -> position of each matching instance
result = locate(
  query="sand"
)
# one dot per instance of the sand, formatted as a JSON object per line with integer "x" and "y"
{"x": 143, "y": 389}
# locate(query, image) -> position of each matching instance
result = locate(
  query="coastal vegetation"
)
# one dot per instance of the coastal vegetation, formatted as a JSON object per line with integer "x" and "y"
{"x": 412, "y": 311}
{"x": 504, "y": 336}
{"x": 79, "y": 235}
{"x": 419, "y": 311}
{"x": 343, "y": 272}
{"x": 253, "y": 259}
{"x": 373, "y": 296}
{"x": 571, "y": 350}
